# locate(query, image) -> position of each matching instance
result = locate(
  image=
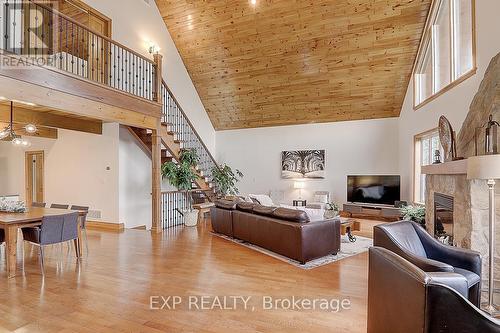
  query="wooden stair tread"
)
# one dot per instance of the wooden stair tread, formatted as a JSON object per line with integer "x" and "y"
{"x": 171, "y": 152}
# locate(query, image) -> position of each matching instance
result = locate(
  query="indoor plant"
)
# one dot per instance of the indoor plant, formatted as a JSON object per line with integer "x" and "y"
{"x": 182, "y": 175}
{"x": 332, "y": 210}
{"x": 414, "y": 213}
{"x": 225, "y": 180}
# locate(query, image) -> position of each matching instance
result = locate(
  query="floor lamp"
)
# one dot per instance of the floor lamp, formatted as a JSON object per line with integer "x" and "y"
{"x": 487, "y": 167}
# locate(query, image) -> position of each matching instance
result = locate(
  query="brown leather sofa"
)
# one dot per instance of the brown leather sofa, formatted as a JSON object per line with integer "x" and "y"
{"x": 410, "y": 241}
{"x": 402, "y": 298}
{"x": 222, "y": 217}
{"x": 284, "y": 231}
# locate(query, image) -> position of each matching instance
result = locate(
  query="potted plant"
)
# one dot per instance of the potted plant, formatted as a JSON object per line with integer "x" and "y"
{"x": 182, "y": 175}
{"x": 225, "y": 180}
{"x": 332, "y": 210}
{"x": 414, "y": 213}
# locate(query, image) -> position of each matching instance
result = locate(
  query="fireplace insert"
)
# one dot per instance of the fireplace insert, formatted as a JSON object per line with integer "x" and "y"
{"x": 443, "y": 218}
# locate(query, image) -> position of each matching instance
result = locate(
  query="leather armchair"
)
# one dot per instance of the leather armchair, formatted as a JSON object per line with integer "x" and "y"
{"x": 433, "y": 302}
{"x": 413, "y": 243}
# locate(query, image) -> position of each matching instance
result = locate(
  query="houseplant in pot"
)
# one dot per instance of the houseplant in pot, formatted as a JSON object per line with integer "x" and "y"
{"x": 415, "y": 213}
{"x": 182, "y": 175}
{"x": 225, "y": 180}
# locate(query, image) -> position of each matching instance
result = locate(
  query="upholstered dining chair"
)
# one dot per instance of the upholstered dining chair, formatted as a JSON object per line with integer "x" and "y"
{"x": 55, "y": 229}
{"x": 59, "y": 206}
{"x": 413, "y": 243}
{"x": 39, "y": 204}
{"x": 2, "y": 238}
{"x": 83, "y": 225}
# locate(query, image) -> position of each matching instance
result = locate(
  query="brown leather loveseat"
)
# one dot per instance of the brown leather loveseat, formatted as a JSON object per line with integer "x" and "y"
{"x": 284, "y": 231}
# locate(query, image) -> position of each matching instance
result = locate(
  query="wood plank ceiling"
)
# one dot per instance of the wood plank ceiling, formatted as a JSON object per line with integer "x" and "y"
{"x": 287, "y": 62}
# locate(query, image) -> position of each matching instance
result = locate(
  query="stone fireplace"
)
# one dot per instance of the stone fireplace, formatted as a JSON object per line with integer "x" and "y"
{"x": 447, "y": 182}
{"x": 469, "y": 213}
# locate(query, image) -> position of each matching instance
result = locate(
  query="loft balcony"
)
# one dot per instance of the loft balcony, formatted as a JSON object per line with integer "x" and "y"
{"x": 62, "y": 64}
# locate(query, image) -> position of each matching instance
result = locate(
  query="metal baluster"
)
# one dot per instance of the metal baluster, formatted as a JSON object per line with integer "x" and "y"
{"x": 73, "y": 48}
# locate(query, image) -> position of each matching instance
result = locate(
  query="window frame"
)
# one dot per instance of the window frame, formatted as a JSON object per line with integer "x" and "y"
{"x": 426, "y": 41}
{"x": 417, "y": 158}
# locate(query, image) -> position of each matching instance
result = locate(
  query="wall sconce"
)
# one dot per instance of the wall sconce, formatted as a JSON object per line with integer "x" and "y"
{"x": 153, "y": 48}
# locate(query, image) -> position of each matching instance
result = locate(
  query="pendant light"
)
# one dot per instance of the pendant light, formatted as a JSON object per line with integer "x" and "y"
{"x": 15, "y": 139}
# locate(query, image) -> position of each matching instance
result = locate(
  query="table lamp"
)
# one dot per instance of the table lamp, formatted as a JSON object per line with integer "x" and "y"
{"x": 488, "y": 168}
{"x": 299, "y": 186}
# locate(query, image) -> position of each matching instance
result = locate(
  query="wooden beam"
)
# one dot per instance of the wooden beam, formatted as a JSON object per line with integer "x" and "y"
{"x": 156, "y": 226}
{"x": 42, "y": 132}
{"x": 13, "y": 89}
{"x": 156, "y": 179}
{"x": 42, "y": 118}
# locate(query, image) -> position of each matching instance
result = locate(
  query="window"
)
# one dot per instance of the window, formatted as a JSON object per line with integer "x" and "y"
{"x": 426, "y": 145}
{"x": 446, "y": 55}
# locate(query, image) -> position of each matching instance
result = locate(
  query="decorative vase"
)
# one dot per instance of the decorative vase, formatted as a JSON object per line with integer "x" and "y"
{"x": 191, "y": 218}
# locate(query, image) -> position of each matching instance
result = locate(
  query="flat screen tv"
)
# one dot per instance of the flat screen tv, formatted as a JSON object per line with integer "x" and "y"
{"x": 382, "y": 190}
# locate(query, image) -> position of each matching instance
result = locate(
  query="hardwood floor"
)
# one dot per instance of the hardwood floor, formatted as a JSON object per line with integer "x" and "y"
{"x": 110, "y": 291}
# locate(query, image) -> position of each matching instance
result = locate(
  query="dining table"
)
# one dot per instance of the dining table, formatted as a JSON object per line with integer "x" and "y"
{"x": 12, "y": 222}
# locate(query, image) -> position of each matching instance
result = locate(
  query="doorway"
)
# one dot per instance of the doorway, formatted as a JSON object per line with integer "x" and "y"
{"x": 34, "y": 177}
{"x": 94, "y": 49}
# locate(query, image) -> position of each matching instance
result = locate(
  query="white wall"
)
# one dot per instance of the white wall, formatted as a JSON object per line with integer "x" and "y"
{"x": 355, "y": 147}
{"x": 455, "y": 103}
{"x": 135, "y": 24}
{"x": 75, "y": 169}
{"x": 134, "y": 182}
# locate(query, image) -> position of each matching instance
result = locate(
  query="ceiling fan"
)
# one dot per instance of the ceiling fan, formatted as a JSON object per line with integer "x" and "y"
{"x": 9, "y": 133}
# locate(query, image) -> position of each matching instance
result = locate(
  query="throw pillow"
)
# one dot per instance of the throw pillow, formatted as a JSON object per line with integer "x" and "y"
{"x": 322, "y": 198}
{"x": 263, "y": 199}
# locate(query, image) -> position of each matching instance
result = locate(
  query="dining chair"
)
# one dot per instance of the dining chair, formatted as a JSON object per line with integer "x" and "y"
{"x": 2, "y": 238}
{"x": 39, "y": 204}
{"x": 83, "y": 225}
{"x": 55, "y": 229}
{"x": 59, "y": 206}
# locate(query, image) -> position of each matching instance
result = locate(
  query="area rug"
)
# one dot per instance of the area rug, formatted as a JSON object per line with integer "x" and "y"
{"x": 347, "y": 249}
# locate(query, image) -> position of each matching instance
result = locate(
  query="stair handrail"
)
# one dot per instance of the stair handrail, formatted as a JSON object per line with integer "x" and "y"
{"x": 165, "y": 86}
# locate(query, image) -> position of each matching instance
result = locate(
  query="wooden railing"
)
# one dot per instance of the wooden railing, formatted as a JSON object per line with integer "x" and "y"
{"x": 184, "y": 131}
{"x": 46, "y": 37}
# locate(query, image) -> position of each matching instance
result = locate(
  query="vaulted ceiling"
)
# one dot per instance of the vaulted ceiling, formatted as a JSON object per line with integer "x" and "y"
{"x": 286, "y": 62}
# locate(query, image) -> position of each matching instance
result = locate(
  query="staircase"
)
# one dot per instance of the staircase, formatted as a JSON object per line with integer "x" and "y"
{"x": 178, "y": 133}
{"x": 86, "y": 73}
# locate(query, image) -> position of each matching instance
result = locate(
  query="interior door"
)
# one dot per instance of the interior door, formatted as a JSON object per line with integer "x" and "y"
{"x": 34, "y": 177}
{"x": 100, "y": 47}
{"x": 87, "y": 46}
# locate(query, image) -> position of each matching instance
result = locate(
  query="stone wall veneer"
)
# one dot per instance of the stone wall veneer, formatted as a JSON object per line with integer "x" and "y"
{"x": 471, "y": 201}
{"x": 485, "y": 102}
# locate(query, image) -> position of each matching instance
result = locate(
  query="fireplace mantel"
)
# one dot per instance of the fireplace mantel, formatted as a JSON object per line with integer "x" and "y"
{"x": 448, "y": 168}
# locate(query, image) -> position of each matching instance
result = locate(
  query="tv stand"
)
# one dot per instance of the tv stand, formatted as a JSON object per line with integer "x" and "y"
{"x": 372, "y": 211}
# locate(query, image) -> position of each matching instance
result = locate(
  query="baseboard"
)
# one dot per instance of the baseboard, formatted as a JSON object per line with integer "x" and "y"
{"x": 105, "y": 226}
{"x": 139, "y": 227}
